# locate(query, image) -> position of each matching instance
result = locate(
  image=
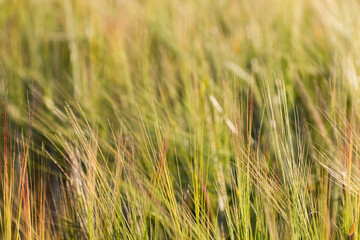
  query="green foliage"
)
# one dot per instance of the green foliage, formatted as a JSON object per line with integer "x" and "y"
{"x": 193, "y": 119}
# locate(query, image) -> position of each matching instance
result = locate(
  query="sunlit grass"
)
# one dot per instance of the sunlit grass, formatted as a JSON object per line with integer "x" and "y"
{"x": 179, "y": 119}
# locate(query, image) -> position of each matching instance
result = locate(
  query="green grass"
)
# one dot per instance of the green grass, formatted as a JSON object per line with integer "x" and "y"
{"x": 193, "y": 119}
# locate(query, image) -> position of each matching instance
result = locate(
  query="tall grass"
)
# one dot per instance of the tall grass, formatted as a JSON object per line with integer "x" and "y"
{"x": 192, "y": 119}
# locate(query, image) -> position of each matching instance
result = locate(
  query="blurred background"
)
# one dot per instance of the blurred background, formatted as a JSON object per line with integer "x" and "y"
{"x": 193, "y": 119}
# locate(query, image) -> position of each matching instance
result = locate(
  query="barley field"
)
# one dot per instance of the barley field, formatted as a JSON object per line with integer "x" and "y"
{"x": 192, "y": 119}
